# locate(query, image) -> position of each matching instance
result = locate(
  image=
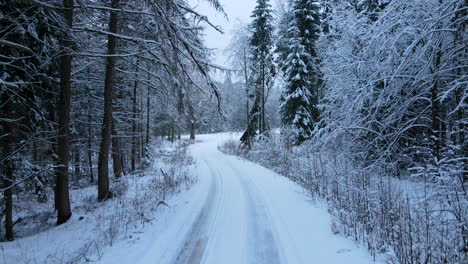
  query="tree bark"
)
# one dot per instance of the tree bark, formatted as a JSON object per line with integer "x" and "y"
{"x": 172, "y": 132}
{"x": 435, "y": 116}
{"x": 134, "y": 121}
{"x": 247, "y": 93}
{"x": 76, "y": 165}
{"x": 148, "y": 103}
{"x": 141, "y": 136}
{"x": 192, "y": 130}
{"x": 34, "y": 152}
{"x": 8, "y": 179}
{"x": 103, "y": 170}
{"x": 53, "y": 145}
{"x": 63, "y": 150}
{"x": 90, "y": 153}
{"x": 116, "y": 158}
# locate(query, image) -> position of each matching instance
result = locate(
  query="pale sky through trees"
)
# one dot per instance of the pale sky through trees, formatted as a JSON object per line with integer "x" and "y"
{"x": 237, "y": 10}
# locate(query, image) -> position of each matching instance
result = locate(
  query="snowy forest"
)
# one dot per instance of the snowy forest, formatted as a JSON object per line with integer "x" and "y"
{"x": 122, "y": 141}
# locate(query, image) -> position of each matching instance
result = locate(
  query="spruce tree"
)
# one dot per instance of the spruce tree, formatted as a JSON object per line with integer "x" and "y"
{"x": 263, "y": 68}
{"x": 283, "y": 37}
{"x": 300, "y": 97}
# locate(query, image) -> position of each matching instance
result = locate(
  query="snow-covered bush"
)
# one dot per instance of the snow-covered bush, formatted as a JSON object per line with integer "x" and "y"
{"x": 406, "y": 221}
{"x": 231, "y": 147}
{"x": 136, "y": 198}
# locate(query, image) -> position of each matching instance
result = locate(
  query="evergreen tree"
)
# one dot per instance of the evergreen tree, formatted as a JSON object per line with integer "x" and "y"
{"x": 300, "y": 98}
{"x": 296, "y": 110}
{"x": 62, "y": 196}
{"x": 283, "y": 36}
{"x": 263, "y": 68}
{"x": 27, "y": 90}
{"x": 51, "y": 91}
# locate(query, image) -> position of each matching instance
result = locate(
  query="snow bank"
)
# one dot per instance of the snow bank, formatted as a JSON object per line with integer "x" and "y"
{"x": 95, "y": 226}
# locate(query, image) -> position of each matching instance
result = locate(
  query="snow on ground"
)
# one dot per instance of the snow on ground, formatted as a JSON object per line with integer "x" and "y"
{"x": 94, "y": 226}
{"x": 238, "y": 212}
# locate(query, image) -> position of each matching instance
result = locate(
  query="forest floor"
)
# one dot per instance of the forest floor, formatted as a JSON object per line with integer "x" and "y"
{"x": 94, "y": 227}
{"x": 236, "y": 212}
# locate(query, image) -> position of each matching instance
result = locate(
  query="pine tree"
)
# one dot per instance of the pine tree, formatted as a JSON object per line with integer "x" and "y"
{"x": 103, "y": 170}
{"x": 283, "y": 37}
{"x": 263, "y": 68}
{"x": 27, "y": 92}
{"x": 300, "y": 98}
{"x": 62, "y": 193}
{"x": 296, "y": 110}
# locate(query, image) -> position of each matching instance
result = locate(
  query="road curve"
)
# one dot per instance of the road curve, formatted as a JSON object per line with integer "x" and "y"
{"x": 239, "y": 212}
{"x": 252, "y": 215}
{"x": 233, "y": 223}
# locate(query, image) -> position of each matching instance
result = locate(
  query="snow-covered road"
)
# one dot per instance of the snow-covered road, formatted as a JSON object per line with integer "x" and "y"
{"x": 239, "y": 212}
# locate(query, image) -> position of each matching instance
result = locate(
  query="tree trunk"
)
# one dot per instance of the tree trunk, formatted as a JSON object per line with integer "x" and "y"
{"x": 436, "y": 110}
{"x": 134, "y": 121}
{"x": 247, "y": 93}
{"x": 90, "y": 153}
{"x": 62, "y": 194}
{"x": 172, "y": 132}
{"x": 148, "y": 102}
{"x": 76, "y": 164}
{"x": 262, "y": 121}
{"x": 90, "y": 162}
{"x": 34, "y": 152}
{"x": 8, "y": 179}
{"x": 141, "y": 134}
{"x": 53, "y": 147}
{"x": 103, "y": 169}
{"x": 192, "y": 130}
{"x": 116, "y": 158}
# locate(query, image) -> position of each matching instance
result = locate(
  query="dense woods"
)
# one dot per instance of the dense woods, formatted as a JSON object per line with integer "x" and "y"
{"x": 373, "y": 98}
{"x": 363, "y": 103}
{"x": 85, "y": 88}
{"x": 385, "y": 78}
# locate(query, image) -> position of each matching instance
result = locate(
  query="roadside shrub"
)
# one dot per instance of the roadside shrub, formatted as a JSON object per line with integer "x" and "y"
{"x": 404, "y": 220}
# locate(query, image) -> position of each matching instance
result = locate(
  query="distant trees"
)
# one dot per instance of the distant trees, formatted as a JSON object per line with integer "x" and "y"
{"x": 296, "y": 59}
{"x": 71, "y": 70}
{"x": 239, "y": 53}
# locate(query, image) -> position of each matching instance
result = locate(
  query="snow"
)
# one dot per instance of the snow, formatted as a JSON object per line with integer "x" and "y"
{"x": 238, "y": 212}
{"x": 93, "y": 226}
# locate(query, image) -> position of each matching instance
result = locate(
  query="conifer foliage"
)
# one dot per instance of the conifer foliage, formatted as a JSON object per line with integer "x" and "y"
{"x": 300, "y": 96}
{"x": 70, "y": 69}
{"x": 263, "y": 68}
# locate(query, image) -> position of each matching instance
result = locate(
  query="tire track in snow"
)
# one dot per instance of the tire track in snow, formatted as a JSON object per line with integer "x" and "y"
{"x": 284, "y": 240}
{"x": 198, "y": 237}
{"x": 262, "y": 241}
